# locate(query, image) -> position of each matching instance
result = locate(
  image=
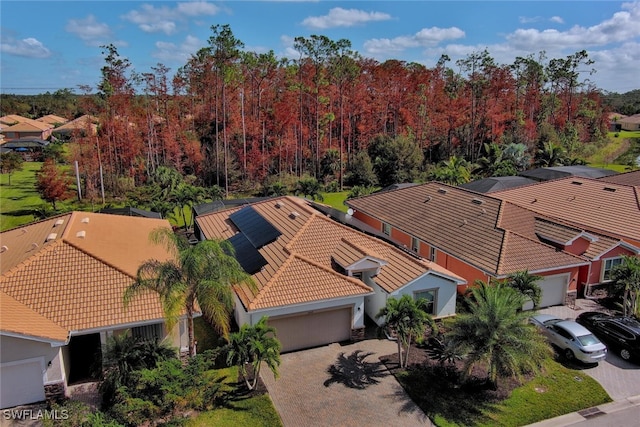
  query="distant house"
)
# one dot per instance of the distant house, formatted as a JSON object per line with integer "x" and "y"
{"x": 555, "y": 172}
{"x": 30, "y": 148}
{"x": 317, "y": 278}
{"x": 631, "y": 123}
{"x": 53, "y": 120}
{"x": 614, "y": 121}
{"x": 131, "y": 211}
{"x": 627, "y": 178}
{"x": 61, "y": 288}
{"x": 27, "y": 128}
{"x": 84, "y": 125}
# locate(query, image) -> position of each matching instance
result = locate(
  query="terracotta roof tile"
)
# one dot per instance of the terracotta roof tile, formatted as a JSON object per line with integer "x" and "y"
{"x": 307, "y": 244}
{"x": 52, "y": 119}
{"x": 17, "y": 318}
{"x": 28, "y": 125}
{"x": 627, "y": 178}
{"x": 594, "y": 204}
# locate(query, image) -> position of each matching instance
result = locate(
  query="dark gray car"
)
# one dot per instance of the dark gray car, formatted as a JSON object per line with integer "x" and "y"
{"x": 621, "y": 334}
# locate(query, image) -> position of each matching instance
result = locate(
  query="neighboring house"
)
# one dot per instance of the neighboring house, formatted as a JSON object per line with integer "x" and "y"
{"x": 53, "y": 120}
{"x": 555, "y": 172}
{"x": 11, "y": 119}
{"x": 614, "y": 121}
{"x": 83, "y": 125}
{"x": 316, "y": 278}
{"x": 131, "y": 211}
{"x": 30, "y": 148}
{"x": 61, "y": 297}
{"x": 595, "y": 205}
{"x": 481, "y": 237}
{"x": 628, "y": 178}
{"x": 27, "y": 128}
{"x": 496, "y": 183}
{"x": 631, "y": 123}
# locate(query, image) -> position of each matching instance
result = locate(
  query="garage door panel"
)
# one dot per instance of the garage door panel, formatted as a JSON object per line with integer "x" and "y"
{"x": 554, "y": 290}
{"x": 21, "y": 383}
{"x": 312, "y": 329}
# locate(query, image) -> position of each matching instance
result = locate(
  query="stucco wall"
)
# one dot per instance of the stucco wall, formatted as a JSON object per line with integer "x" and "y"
{"x": 446, "y": 298}
{"x": 12, "y": 349}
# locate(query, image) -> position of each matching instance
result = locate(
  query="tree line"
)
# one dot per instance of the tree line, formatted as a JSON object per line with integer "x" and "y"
{"x": 243, "y": 120}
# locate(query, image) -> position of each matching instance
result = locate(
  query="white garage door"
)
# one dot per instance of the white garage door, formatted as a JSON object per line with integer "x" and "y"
{"x": 21, "y": 383}
{"x": 312, "y": 329}
{"x": 554, "y": 291}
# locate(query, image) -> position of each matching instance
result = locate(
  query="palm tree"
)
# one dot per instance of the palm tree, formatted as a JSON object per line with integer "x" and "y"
{"x": 550, "y": 154}
{"x": 309, "y": 187}
{"x": 527, "y": 285}
{"x": 497, "y": 333}
{"x": 454, "y": 171}
{"x": 408, "y": 319}
{"x": 625, "y": 281}
{"x": 202, "y": 274}
{"x": 254, "y": 345}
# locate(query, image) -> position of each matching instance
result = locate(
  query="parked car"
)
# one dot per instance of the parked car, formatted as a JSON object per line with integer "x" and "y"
{"x": 620, "y": 333}
{"x": 574, "y": 340}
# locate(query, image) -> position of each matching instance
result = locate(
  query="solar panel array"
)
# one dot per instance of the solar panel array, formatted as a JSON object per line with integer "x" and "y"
{"x": 255, "y": 232}
{"x": 258, "y": 230}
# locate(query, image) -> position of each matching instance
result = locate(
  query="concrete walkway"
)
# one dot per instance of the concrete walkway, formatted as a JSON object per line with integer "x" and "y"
{"x": 306, "y": 394}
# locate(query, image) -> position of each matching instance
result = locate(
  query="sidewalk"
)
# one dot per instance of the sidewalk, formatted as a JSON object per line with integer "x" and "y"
{"x": 576, "y": 418}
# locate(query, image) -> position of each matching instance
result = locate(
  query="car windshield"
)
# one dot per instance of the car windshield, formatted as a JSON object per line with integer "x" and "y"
{"x": 587, "y": 340}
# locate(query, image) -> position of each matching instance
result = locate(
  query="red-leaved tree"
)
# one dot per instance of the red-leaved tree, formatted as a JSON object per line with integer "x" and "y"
{"x": 52, "y": 183}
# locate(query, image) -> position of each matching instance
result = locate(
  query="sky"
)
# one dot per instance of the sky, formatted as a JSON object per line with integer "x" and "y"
{"x": 50, "y": 45}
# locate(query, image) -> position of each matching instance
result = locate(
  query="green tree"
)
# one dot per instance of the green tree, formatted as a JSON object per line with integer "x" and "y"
{"x": 407, "y": 319}
{"x": 309, "y": 187}
{"x": 625, "y": 282}
{"x": 276, "y": 189}
{"x": 454, "y": 171}
{"x": 360, "y": 171}
{"x": 252, "y": 345}
{"x": 185, "y": 196}
{"x": 10, "y": 162}
{"x": 495, "y": 332}
{"x": 527, "y": 285}
{"x": 395, "y": 160}
{"x": 549, "y": 154}
{"x": 202, "y": 274}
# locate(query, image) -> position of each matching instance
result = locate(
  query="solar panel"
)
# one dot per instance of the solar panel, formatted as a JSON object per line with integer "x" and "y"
{"x": 247, "y": 255}
{"x": 258, "y": 230}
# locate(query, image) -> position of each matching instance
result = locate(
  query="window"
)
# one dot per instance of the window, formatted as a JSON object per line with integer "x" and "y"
{"x": 148, "y": 333}
{"x": 357, "y": 275}
{"x": 432, "y": 254}
{"x": 431, "y": 296}
{"x": 386, "y": 229}
{"x": 415, "y": 244}
{"x": 608, "y": 266}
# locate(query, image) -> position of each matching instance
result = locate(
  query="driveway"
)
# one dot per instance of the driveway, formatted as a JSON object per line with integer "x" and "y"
{"x": 317, "y": 387}
{"x": 619, "y": 378}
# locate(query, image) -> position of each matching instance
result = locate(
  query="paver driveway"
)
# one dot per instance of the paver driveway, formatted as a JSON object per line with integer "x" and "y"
{"x": 302, "y": 398}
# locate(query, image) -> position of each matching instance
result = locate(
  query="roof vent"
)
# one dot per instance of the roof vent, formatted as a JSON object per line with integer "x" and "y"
{"x": 85, "y": 220}
{"x": 576, "y": 182}
{"x": 613, "y": 190}
{"x": 81, "y": 234}
{"x": 294, "y": 214}
{"x": 34, "y": 246}
{"x": 52, "y": 236}
{"x": 4, "y": 249}
{"x": 464, "y": 222}
{"x": 477, "y": 201}
{"x": 427, "y": 199}
{"x": 58, "y": 222}
{"x": 442, "y": 190}
{"x": 279, "y": 204}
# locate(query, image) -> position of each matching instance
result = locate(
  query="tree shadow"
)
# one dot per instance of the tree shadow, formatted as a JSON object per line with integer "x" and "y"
{"x": 352, "y": 371}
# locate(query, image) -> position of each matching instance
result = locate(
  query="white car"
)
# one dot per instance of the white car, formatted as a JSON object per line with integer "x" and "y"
{"x": 574, "y": 340}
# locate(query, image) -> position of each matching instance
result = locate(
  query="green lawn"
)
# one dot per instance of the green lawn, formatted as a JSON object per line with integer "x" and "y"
{"x": 557, "y": 391}
{"x": 20, "y": 199}
{"x": 336, "y": 200}
{"x": 239, "y": 411}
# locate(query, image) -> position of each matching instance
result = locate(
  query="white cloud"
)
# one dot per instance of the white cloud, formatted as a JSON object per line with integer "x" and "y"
{"x": 181, "y": 53}
{"x": 151, "y": 19}
{"x": 557, "y": 19}
{"x": 620, "y": 27}
{"x": 29, "y": 48}
{"x": 529, "y": 19}
{"x": 427, "y": 37}
{"x": 92, "y": 32}
{"x": 339, "y": 17}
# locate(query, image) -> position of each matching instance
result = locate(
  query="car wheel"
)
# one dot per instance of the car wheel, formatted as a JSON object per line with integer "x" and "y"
{"x": 625, "y": 354}
{"x": 568, "y": 354}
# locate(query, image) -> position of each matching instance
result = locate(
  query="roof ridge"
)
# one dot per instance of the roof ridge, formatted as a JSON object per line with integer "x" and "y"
{"x": 359, "y": 248}
{"x": 331, "y": 271}
{"x": 257, "y": 296}
{"x": 97, "y": 258}
{"x": 300, "y": 231}
{"x": 546, "y": 245}
{"x": 25, "y": 262}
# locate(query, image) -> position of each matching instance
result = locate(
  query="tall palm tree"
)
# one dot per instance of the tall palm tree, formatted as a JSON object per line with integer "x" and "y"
{"x": 527, "y": 285}
{"x": 203, "y": 274}
{"x": 408, "y": 319}
{"x": 497, "y": 333}
{"x": 254, "y": 345}
{"x": 625, "y": 281}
